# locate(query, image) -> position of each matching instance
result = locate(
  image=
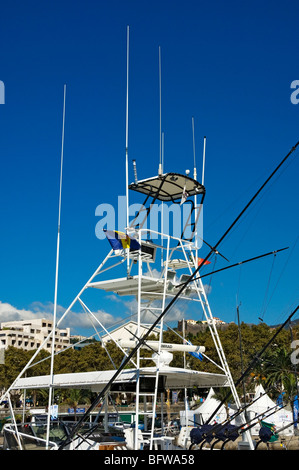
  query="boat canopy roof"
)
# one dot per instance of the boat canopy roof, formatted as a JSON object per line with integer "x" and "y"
{"x": 168, "y": 187}
{"x": 174, "y": 378}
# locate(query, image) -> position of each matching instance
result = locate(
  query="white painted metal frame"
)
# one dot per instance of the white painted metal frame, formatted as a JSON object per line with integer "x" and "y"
{"x": 186, "y": 248}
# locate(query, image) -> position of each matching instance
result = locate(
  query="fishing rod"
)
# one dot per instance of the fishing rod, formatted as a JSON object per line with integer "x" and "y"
{"x": 218, "y": 426}
{"x": 214, "y": 250}
{"x": 266, "y": 441}
{"x": 257, "y": 419}
{"x": 238, "y": 264}
{"x": 172, "y": 301}
{"x": 243, "y": 408}
{"x": 262, "y": 416}
{"x": 216, "y": 429}
{"x": 239, "y": 410}
{"x": 265, "y": 415}
{"x": 275, "y": 433}
{"x": 255, "y": 359}
{"x": 287, "y": 426}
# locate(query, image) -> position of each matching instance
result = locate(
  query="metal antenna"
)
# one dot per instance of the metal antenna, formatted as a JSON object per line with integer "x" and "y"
{"x": 135, "y": 171}
{"x": 160, "y": 96}
{"x": 56, "y": 278}
{"x": 194, "y": 163}
{"x": 127, "y": 145}
{"x": 195, "y": 197}
{"x": 127, "y": 127}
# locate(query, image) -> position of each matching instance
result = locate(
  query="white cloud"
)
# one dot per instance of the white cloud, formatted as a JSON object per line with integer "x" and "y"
{"x": 83, "y": 321}
{"x": 175, "y": 313}
{"x": 113, "y": 297}
{"x": 207, "y": 288}
{"x": 74, "y": 320}
{"x": 103, "y": 317}
{"x": 10, "y": 313}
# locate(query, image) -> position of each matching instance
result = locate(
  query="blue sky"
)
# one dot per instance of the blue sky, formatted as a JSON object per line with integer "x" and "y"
{"x": 228, "y": 64}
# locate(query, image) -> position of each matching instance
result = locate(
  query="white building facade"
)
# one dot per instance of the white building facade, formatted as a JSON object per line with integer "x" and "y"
{"x": 30, "y": 334}
{"x": 128, "y": 331}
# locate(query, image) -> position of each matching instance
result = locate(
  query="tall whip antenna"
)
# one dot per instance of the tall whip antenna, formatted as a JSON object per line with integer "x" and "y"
{"x": 160, "y": 96}
{"x": 195, "y": 197}
{"x": 194, "y": 160}
{"x": 56, "y": 277}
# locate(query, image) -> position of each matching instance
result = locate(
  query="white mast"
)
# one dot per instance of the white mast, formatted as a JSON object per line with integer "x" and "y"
{"x": 160, "y": 95}
{"x": 56, "y": 277}
{"x": 195, "y": 197}
{"x": 194, "y": 162}
{"x": 161, "y": 161}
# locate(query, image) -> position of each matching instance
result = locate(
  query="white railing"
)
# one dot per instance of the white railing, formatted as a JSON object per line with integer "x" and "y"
{"x": 21, "y": 436}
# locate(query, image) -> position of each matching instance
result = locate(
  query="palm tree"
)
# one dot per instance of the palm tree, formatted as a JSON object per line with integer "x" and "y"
{"x": 221, "y": 395}
{"x": 279, "y": 368}
{"x": 290, "y": 389}
{"x": 77, "y": 396}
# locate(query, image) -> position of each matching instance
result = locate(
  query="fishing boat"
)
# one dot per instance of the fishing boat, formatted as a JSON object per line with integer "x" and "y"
{"x": 156, "y": 268}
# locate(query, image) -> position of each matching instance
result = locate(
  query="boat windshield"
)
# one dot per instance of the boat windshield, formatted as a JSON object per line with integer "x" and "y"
{"x": 34, "y": 435}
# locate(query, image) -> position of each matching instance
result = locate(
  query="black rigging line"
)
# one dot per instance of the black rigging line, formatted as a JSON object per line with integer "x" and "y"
{"x": 283, "y": 269}
{"x": 214, "y": 249}
{"x": 142, "y": 340}
{"x": 210, "y": 282}
{"x": 238, "y": 264}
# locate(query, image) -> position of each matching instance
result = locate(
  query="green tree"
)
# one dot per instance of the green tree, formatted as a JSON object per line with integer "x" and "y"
{"x": 221, "y": 395}
{"x": 278, "y": 368}
{"x": 76, "y": 397}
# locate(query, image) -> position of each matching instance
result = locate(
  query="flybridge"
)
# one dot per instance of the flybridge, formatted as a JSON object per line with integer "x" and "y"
{"x": 172, "y": 200}
{"x": 176, "y": 189}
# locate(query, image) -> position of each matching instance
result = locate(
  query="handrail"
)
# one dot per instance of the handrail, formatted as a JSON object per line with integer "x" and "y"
{"x": 54, "y": 446}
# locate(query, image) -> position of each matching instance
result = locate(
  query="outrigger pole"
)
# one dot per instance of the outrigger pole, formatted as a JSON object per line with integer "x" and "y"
{"x": 173, "y": 300}
{"x": 56, "y": 277}
{"x": 237, "y": 264}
